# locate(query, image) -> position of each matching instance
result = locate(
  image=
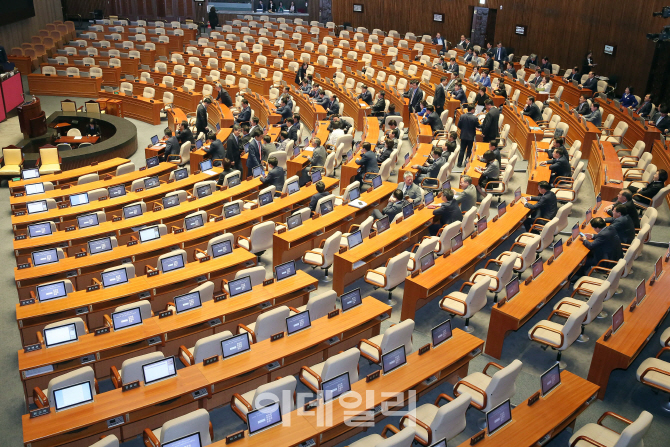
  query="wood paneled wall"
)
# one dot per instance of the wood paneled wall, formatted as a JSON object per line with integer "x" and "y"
{"x": 14, "y": 34}
{"x": 561, "y": 29}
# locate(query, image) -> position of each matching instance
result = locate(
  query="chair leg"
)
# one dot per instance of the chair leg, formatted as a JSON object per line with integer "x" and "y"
{"x": 582, "y": 338}
{"x": 467, "y": 328}
{"x": 495, "y": 298}
{"x": 562, "y": 365}
{"x": 666, "y": 406}
{"x": 327, "y": 278}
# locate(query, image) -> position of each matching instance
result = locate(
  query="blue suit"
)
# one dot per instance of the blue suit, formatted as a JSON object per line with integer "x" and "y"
{"x": 244, "y": 116}
{"x": 255, "y": 154}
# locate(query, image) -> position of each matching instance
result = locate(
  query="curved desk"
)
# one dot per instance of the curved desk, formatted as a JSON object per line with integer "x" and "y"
{"x": 137, "y": 107}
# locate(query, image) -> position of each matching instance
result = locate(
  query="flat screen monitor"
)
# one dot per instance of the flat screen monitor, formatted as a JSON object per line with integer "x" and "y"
{"x": 296, "y": 150}
{"x": 427, "y": 261}
{"x": 126, "y": 318}
{"x": 407, "y": 211}
{"x": 170, "y": 201}
{"x": 640, "y": 292}
{"x": 298, "y": 322}
{"x": 152, "y": 161}
{"x": 265, "y": 198}
{"x": 152, "y": 182}
{"x": 99, "y": 245}
{"x": 316, "y": 176}
{"x": 326, "y": 207}
{"x": 73, "y": 395}
{"x": 481, "y": 224}
{"x": 39, "y": 229}
{"x": 658, "y": 268}
{"x": 171, "y": 263}
{"x": 441, "y": 333}
{"x": 538, "y": 267}
{"x": 350, "y": 155}
{"x": 428, "y": 198}
{"x": 383, "y": 224}
{"x": 446, "y": 185}
{"x": 116, "y": 191}
{"x": 159, "y": 370}
{"x": 192, "y": 440}
{"x": 239, "y": 286}
{"x": 235, "y": 345}
{"x": 441, "y": 443}
{"x": 180, "y": 174}
{"x": 498, "y": 417}
{"x": 550, "y": 379}
{"x": 502, "y": 208}
{"x": 351, "y": 299}
{"x": 154, "y": 141}
{"x": 355, "y": 239}
{"x": 406, "y": 159}
{"x": 394, "y": 359}
{"x": 231, "y": 210}
{"x": 43, "y": 257}
{"x": 27, "y": 174}
{"x": 512, "y": 288}
{"x": 192, "y": 222}
{"x": 558, "y": 248}
{"x": 294, "y": 221}
{"x": 292, "y": 187}
{"x": 131, "y": 211}
{"x": 617, "y": 319}
{"x": 457, "y": 241}
{"x": 204, "y": 191}
{"x": 376, "y": 182}
{"x": 575, "y": 232}
{"x": 354, "y": 194}
{"x": 222, "y": 248}
{"x": 59, "y": 335}
{"x": 51, "y": 291}
{"x": 39, "y": 206}
{"x": 205, "y": 165}
{"x": 285, "y": 270}
{"x": 78, "y": 199}
{"x": 34, "y": 188}
{"x": 335, "y": 387}
{"x": 87, "y": 220}
{"x": 198, "y": 144}
{"x": 264, "y": 418}
{"x": 187, "y": 302}
{"x": 599, "y": 200}
{"x": 588, "y": 215}
{"x": 114, "y": 277}
{"x": 150, "y": 234}
{"x": 517, "y": 194}
{"x": 233, "y": 181}
{"x": 257, "y": 171}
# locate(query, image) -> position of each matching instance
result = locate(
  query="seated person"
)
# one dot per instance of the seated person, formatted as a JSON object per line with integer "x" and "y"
{"x": 379, "y": 106}
{"x": 625, "y": 197}
{"x": 320, "y": 193}
{"x": 475, "y": 76}
{"x": 365, "y": 95}
{"x": 395, "y": 205}
{"x": 334, "y": 107}
{"x": 432, "y": 170}
{"x": 644, "y": 109}
{"x": 227, "y": 169}
{"x": 336, "y": 133}
{"x": 172, "y": 146}
{"x": 245, "y": 114}
{"x": 386, "y": 151}
{"x": 591, "y": 82}
{"x": 424, "y": 105}
{"x": 410, "y": 190}
{"x": 268, "y": 147}
{"x": 559, "y": 165}
{"x": 467, "y": 198}
{"x": 284, "y": 109}
{"x": 493, "y": 147}
{"x": 546, "y": 205}
{"x": 216, "y": 152}
{"x": 481, "y": 96}
{"x": 490, "y": 173}
{"x": 623, "y": 224}
{"x": 628, "y": 99}
{"x": 604, "y": 244}
{"x": 646, "y": 194}
{"x": 501, "y": 90}
{"x": 391, "y": 112}
{"x": 393, "y": 132}
{"x": 92, "y": 129}
{"x": 275, "y": 176}
{"x": 448, "y": 211}
{"x": 184, "y": 134}
{"x": 367, "y": 162}
{"x": 432, "y": 119}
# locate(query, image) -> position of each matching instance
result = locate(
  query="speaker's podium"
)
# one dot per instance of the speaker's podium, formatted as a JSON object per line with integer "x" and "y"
{"x": 32, "y": 120}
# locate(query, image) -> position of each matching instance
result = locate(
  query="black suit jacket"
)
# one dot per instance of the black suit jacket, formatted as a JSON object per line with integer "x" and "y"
{"x": 244, "y": 116}
{"x": 624, "y": 228}
{"x": 414, "y": 99}
{"x": 216, "y": 151}
{"x": 434, "y": 121}
{"x": 444, "y": 44}
{"x": 275, "y": 177}
{"x": 664, "y": 124}
{"x": 650, "y": 191}
{"x": 293, "y": 132}
{"x": 490, "y": 124}
{"x": 534, "y": 112}
{"x": 449, "y": 212}
{"x": 233, "y": 150}
{"x": 583, "y": 108}
{"x": 559, "y": 168}
{"x": 500, "y": 54}
{"x": 172, "y": 147}
{"x": 92, "y": 132}
{"x": 285, "y": 112}
{"x": 368, "y": 162}
{"x": 432, "y": 170}
{"x": 379, "y": 106}
{"x": 315, "y": 199}
{"x": 201, "y": 118}
{"x": 644, "y": 109}
{"x": 224, "y": 98}
{"x": 605, "y": 245}
{"x": 546, "y": 206}
{"x": 488, "y": 65}
{"x": 366, "y": 97}
{"x": 468, "y": 124}
{"x": 459, "y": 95}
{"x": 184, "y": 136}
{"x": 439, "y": 98}
{"x": 591, "y": 84}
{"x": 334, "y": 108}
{"x": 254, "y": 155}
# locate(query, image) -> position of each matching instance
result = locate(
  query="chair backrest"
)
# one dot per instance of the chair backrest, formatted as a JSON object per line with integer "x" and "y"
{"x": 450, "y": 418}
{"x": 49, "y": 156}
{"x": 562, "y": 216}
{"x": 107, "y": 441}
{"x": 131, "y": 369}
{"x": 502, "y": 385}
{"x": 196, "y": 421}
{"x": 330, "y": 247}
{"x": 403, "y": 438}
{"x": 80, "y": 375}
{"x": 632, "y": 435}
{"x": 346, "y": 361}
{"x": 657, "y": 200}
{"x": 209, "y": 346}
{"x": 143, "y": 305}
{"x": 476, "y": 298}
{"x": 595, "y": 301}
{"x": 271, "y": 322}
{"x": 261, "y": 236}
{"x": 573, "y": 326}
{"x": 319, "y": 305}
{"x": 218, "y": 239}
{"x": 398, "y": 335}
{"x": 468, "y": 223}
{"x": 276, "y": 391}
{"x": 426, "y": 246}
{"x": 167, "y": 255}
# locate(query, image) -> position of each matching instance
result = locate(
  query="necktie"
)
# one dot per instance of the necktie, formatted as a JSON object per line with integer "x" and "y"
{"x": 404, "y": 193}
{"x": 260, "y": 152}
{"x": 660, "y": 117}
{"x": 498, "y": 53}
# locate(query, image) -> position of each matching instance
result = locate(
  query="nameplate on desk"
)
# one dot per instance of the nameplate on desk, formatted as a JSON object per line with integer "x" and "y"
{"x": 343, "y": 249}
{"x": 210, "y": 360}
{"x": 281, "y": 230}
{"x": 153, "y": 273}
{"x": 70, "y": 228}
{"x": 93, "y": 287}
{"x": 20, "y": 213}
{"x": 333, "y": 313}
{"x": 178, "y": 230}
{"x": 308, "y": 183}
{"x": 284, "y": 194}
{"x": 633, "y": 305}
{"x": 277, "y": 336}
{"x": 139, "y": 190}
{"x": 502, "y": 302}
{"x": 130, "y": 386}
{"x": 316, "y": 216}
{"x": 569, "y": 243}
{"x": 528, "y": 280}
{"x": 311, "y": 405}
{"x": 608, "y": 334}
{"x": 478, "y": 437}
{"x": 27, "y": 302}
{"x": 192, "y": 199}
{"x": 116, "y": 219}
{"x": 400, "y": 219}
{"x": 31, "y": 348}
{"x": 100, "y": 199}
{"x": 131, "y": 243}
{"x": 23, "y": 266}
{"x": 102, "y": 330}
{"x": 372, "y": 376}
{"x": 415, "y": 273}
{"x": 235, "y": 437}
{"x": 218, "y": 218}
{"x": 157, "y": 208}
{"x": 220, "y": 297}
{"x": 165, "y": 313}
{"x": 267, "y": 282}
{"x": 550, "y": 260}
{"x": 372, "y": 234}
{"x": 495, "y": 218}
{"x": 143, "y": 168}
{"x": 171, "y": 180}
{"x": 19, "y": 194}
{"x": 40, "y": 412}
{"x": 420, "y": 207}
{"x": 205, "y": 259}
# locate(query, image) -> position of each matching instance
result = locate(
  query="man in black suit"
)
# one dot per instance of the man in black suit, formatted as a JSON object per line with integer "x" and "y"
{"x": 545, "y": 65}
{"x": 462, "y": 42}
{"x": 644, "y": 195}
{"x": 490, "y": 129}
{"x": 367, "y": 162}
{"x": 545, "y": 208}
{"x": 216, "y": 151}
{"x": 605, "y": 244}
{"x": 438, "y": 40}
{"x": 433, "y": 119}
{"x": 415, "y": 96}
{"x": 591, "y": 82}
{"x": 334, "y": 107}
{"x": 559, "y": 165}
{"x": 448, "y": 211}
{"x": 596, "y": 116}
{"x": 467, "y": 57}
{"x": 644, "y": 109}
{"x": 395, "y": 205}
{"x": 440, "y": 95}
{"x": 433, "y": 169}
{"x": 452, "y": 67}
{"x": 458, "y": 93}
{"x": 468, "y": 124}
{"x": 323, "y": 100}
{"x": 276, "y": 175}
{"x": 184, "y": 133}
{"x": 255, "y": 152}
{"x": 293, "y": 129}
{"x": 500, "y": 53}
{"x": 245, "y": 114}
{"x": 320, "y": 193}
{"x": 91, "y": 129}
{"x": 661, "y": 119}
{"x": 365, "y": 95}
{"x": 532, "y": 60}
{"x": 532, "y": 110}
{"x": 625, "y": 198}
{"x": 223, "y": 96}
{"x": 583, "y": 107}
{"x": 379, "y": 106}
{"x": 172, "y": 146}
{"x": 233, "y": 148}
{"x": 623, "y": 224}
{"x": 488, "y": 63}
{"x": 284, "y": 110}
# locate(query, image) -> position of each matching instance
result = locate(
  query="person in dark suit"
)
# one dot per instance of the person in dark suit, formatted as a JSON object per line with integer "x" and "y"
{"x": 467, "y": 198}
{"x": 440, "y": 95}
{"x": 481, "y": 96}
{"x": 462, "y": 42}
{"x": 379, "y": 106}
{"x": 661, "y": 120}
{"x": 501, "y": 90}
{"x": 546, "y": 205}
{"x": 646, "y": 194}
{"x": 302, "y": 73}
{"x": 623, "y": 224}
{"x": 245, "y": 136}
{"x": 334, "y": 107}
{"x": 319, "y": 153}
{"x": 255, "y": 150}
{"x": 438, "y": 40}
{"x": 367, "y": 162}
{"x": 489, "y": 49}
{"x": 223, "y": 96}
{"x": 314, "y": 92}
{"x": 201, "y": 116}
{"x": 395, "y": 205}
{"x": 216, "y": 152}
{"x": 233, "y": 148}
{"x": 573, "y": 76}
{"x": 432, "y": 170}
{"x": 587, "y": 63}
{"x": 490, "y": 129}
{"x": 386, "y": 151}
{"x": 532, "y": 60}
{"x": 545, "y": 65}
{"x": 433, "y": 119}
{"x": 468, "y": 124}
{"x": 320, "y": 194}
{"x": 450, "y": 145}
{"x": 284, "y": 110}
{"x": 628, "y": 100}
{"x": 213, "y": 18}
{"x": 365, "y": 95}
{"x": 489, "y": 173}
{"x": 625, "y": 198}
{"x": 532, "y": 110}
{"x": 591, "y": 82}
{"x": 605, "y": 244}
{"x": 245, "y": 114}
{"x": 508, "y": 68}
{"x": 644, "y": 109}
{"x": 559, "y": 165}
{"x": 583, "y": 107}
{"x": 468, "y": 56}
{"x": 293, "y": 129}
{"x": 184, "y": 133}
{"x": 227, "y": 169}
{"x": 275, "y": 176}
{"x": 91, "y": 129}
{"x": 500, "y": 53}
{"x": 596, "y": 116}
{"x": 488, "y": 63}
{"x": 458, "y": 93}
{"x": 468, "y": 45}
{"x": 172, "y": 146}
{"x": 391, "y": 112}
{"x": 415, "y": 96}
{"x": 305, "y": 87}
{"x": 452, "y": 67}
{"x": 448, "y": 211}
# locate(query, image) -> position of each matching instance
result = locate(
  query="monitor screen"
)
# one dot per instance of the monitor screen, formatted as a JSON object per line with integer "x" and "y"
{"x": 231, "y": 210}
{"x": 218, "y": 127}
{"x": 457, "y": 242}
{"x": 37, "y": 207}
{"x": 264, "y": 418}
{"x": 326, "y": 206}
{"x": 73, "y": 395}
{"x": 658, "y": 267}
{"x": 383, "y": 224}
{"x": 257, "y": 172}
{"x": 550, "y": 379}
{"x": 114, "y": 277}
{"x": 575, "y": 231}
{"x": 192, "y": 440}
{"x": 376, "y": 182}
{"x": 159, "y": 370}
{"x": 187, "y": 301}
{"x": 180, "y": 174}
{"x": 239, "y": 286}
{"x": 599, "y": 199}
{"x": 169, "y": 202}
{"x": 498, "y": 417}
{"x": 34, "y": 188}
{"x": 78, "y": 199}
{"x": 292, "y": 187}
{"x": 198, "y": 145}
{"x": 441, "y": 333}
{"x": 61, "y": 334}
{"x": 588, "y": 214}
{"x": 51, "y": 291}
{"x": 441, "y": 443}
{"x": 351, "y": 299}
{"x": 234, "y": 180}
{"x": 350, "y": 155}
{"x": 172, "y": 263}
{"x": 126, "y": 318}
{"x": 132, "y": 211}
{"x": 617, "y": 319}
{"x": 298, "y": 322}
{"x": 39, "y": 229}
{"x": 406, "y": 159}
{"x": 193, "y": 222}
{"x": 205, "y": 165}
{"x": 316, "y": 176}
{"x": 355, "y": 239}
{"x": 427, "y": 261}
{"x": 204, "y": 191}
{"x": 265, "y": 198}
{"x": 640, "y": 291}
{"x": 27, "y": 174}
{"x": 116, "y": 191}
{"x": 558, "y": 248}
{"x": 222, "y": 248}
{"x": 502, "y": 208}
{"x": 87, "y": 220}
{"x": 99, "y": 245}
{"x": 235, "y": 345}
{"x": 354, "y": 194}
{"x": 481, "y": 224}
{"x": 517, "y": 194}
{"x": 154, "y": 141}
{"x": 285, "y": 270}
{"x": 407, "y": 211}
{"x": 294, "y": 221}
{"x": 335, "y": 387}
{"x": 538, "y": 268}
{"x": 428, "y": 198}
{"x": 446, "y": 185}
{"x": 393, "y": 360}
{"x": 151, "y": 182}
{"x": 296, "y": 150}
{"x": 150, "y": 234}
{"x": 43, "y": 257}
{"x": 512, "y": 288}
{"x": 153, "y": 161}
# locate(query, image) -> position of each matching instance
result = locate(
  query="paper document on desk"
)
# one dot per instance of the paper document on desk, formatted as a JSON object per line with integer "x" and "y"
{"x": 535, "y": 128}
{"x": 210, "y": 172}
{"x": 78, "y": 138}
{"x": 308, "y": 149}
{"x": 358, "y": 204}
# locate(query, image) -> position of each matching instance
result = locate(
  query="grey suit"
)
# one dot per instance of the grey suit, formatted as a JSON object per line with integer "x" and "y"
{"x": 468, "y": 198}
{"x": 413, "y": 192}
{"x": 595, "y": 117}
{"x": 319, "y": 156}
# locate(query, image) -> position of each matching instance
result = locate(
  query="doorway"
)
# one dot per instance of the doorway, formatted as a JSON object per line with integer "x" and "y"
{"x": 483, "y": 26}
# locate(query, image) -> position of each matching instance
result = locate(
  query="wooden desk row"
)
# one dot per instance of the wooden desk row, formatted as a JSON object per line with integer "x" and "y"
{"x": 110, "y": 75}
{"x": 39, "y": 84}
{"x": 137, "y": 106}
{"x": 128, "y": 66}
{"x": 348, "y": 170}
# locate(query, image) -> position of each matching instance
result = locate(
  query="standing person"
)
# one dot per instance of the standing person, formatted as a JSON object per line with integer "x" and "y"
{"x": 301, "y": 74}
{"x": 490, "y": 130}
{"x": 468, "y": 124}
{"x": 213, "y": 18}
{"x": 233, "y": 148}
{"x": 415, "y": 96}
{"x": 223, "y": 96}
{"x": 255, "y": 150}
{"x": 201, "y": 116}
{"x": 587, "y": 63}
{"x": 440, "y": 96}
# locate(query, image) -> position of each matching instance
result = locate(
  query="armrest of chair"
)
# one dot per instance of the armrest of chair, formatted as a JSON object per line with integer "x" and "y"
{"x": 241, "y": 400}
{"x": 316, "y": 253}
{"x": 612, "y": 415}
{"x": 40, "y": 398}
{"x": 150, "y": 439}
{"x": 197, "y": 250}
{"x": 388, "y": 428}
{"x": 560, "y": 313}
{"x": 495, "y": 261}
{"x": 473, "y": 388}
{"x": 560, "y": 181}
{"x": 171, "y": 159}
{"x": 490, "y": 184}
{"x": 491, "y": 364}
{"x": 308, "y": 370}
{"x": 420, "y": 424}
{"x": 490, "y": 276}
{"x": 115, "y": 376}
{"x": 246, "y": 328}
{"x": 237, "y": 243}
{"x": 443, "y": 396}
{"x": 546, "y": 328}
{"x": 640, "y": 195}
{"x": 586, "y": 439}
{"x": 664, "y": 349}
{"x": 373, "y": 346}
{"x": 581, "y": 291}
{"x": 458, "y": 300}
{"x": 353, "y": 227}
{"x": 185, "y": 356}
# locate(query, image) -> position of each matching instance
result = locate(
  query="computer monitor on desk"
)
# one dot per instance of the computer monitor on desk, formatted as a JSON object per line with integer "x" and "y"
{"x": 59, "y": 335}
{"x": 193, "y": 222}
{"x": 394, "y": 359}
{"x": 159, "y": 370}
{"x": 234, "y": 181}
{"x": 34, "y": 188}
{"x": 205, "y": 165}
{"x": 73, "y": 396}
{"x": 116, "y": 191}
{"x": 298, "y": 322}
{"x": 326, "y": 207}
{"x": 355, "y": 239}
{"x": 39, "y": 206}
{"x": 39, "y": 229}
{"x": 407, "y": 211}
{"x": 44, "y": 257}
{"x": 617, "y": 319}
{"x": 376, "y": 182}
{"x": 114, "y": 277}
{"x": 172, "y": 263}
{"x": 336, "y": 387}
{"x": 153, "y": 161}
{"x": 126, "y": 318}
{"x": 294, "y": 221}
{"x": 285, "y": 270}
{"x": 186, "y": 302}
{"x": 640, "y": 292}
{"x": 538, "y": 268}
{"x": 52, "y": 291}
{"x": 152, "y": 182}
{"x": 441, "y": 333}
{"x": 27, "y": 174}
{"x": 192, "y": 440}
{"x": 130, "y": 211}
{"x": 204, "y": 191}
{"x": 264, "y": 418}
{"x": 265, "y": 198}
{"x": 154, "y": 141}
{"x": 457, "y": 242}
{"x": 498, "y": 417}
{"x": 235, "y": 345}
{"x": 351, "y": 299}
{"x": 257, "y": 171}
{"x": 149, "y": 234}
{"x": 428, "y": 198}
{"x": 383, "y": 224}
{"x": 78, "y": 199}
{"x": 292, "y": 187}
{"x": 239, "y": 286}
{"x": 222, "y": 248}
{"x": 558, "y": 248}
{"x": 550, "y": 379}
{"x": 512, "y": 288}
{"x": 427, "y": 261}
